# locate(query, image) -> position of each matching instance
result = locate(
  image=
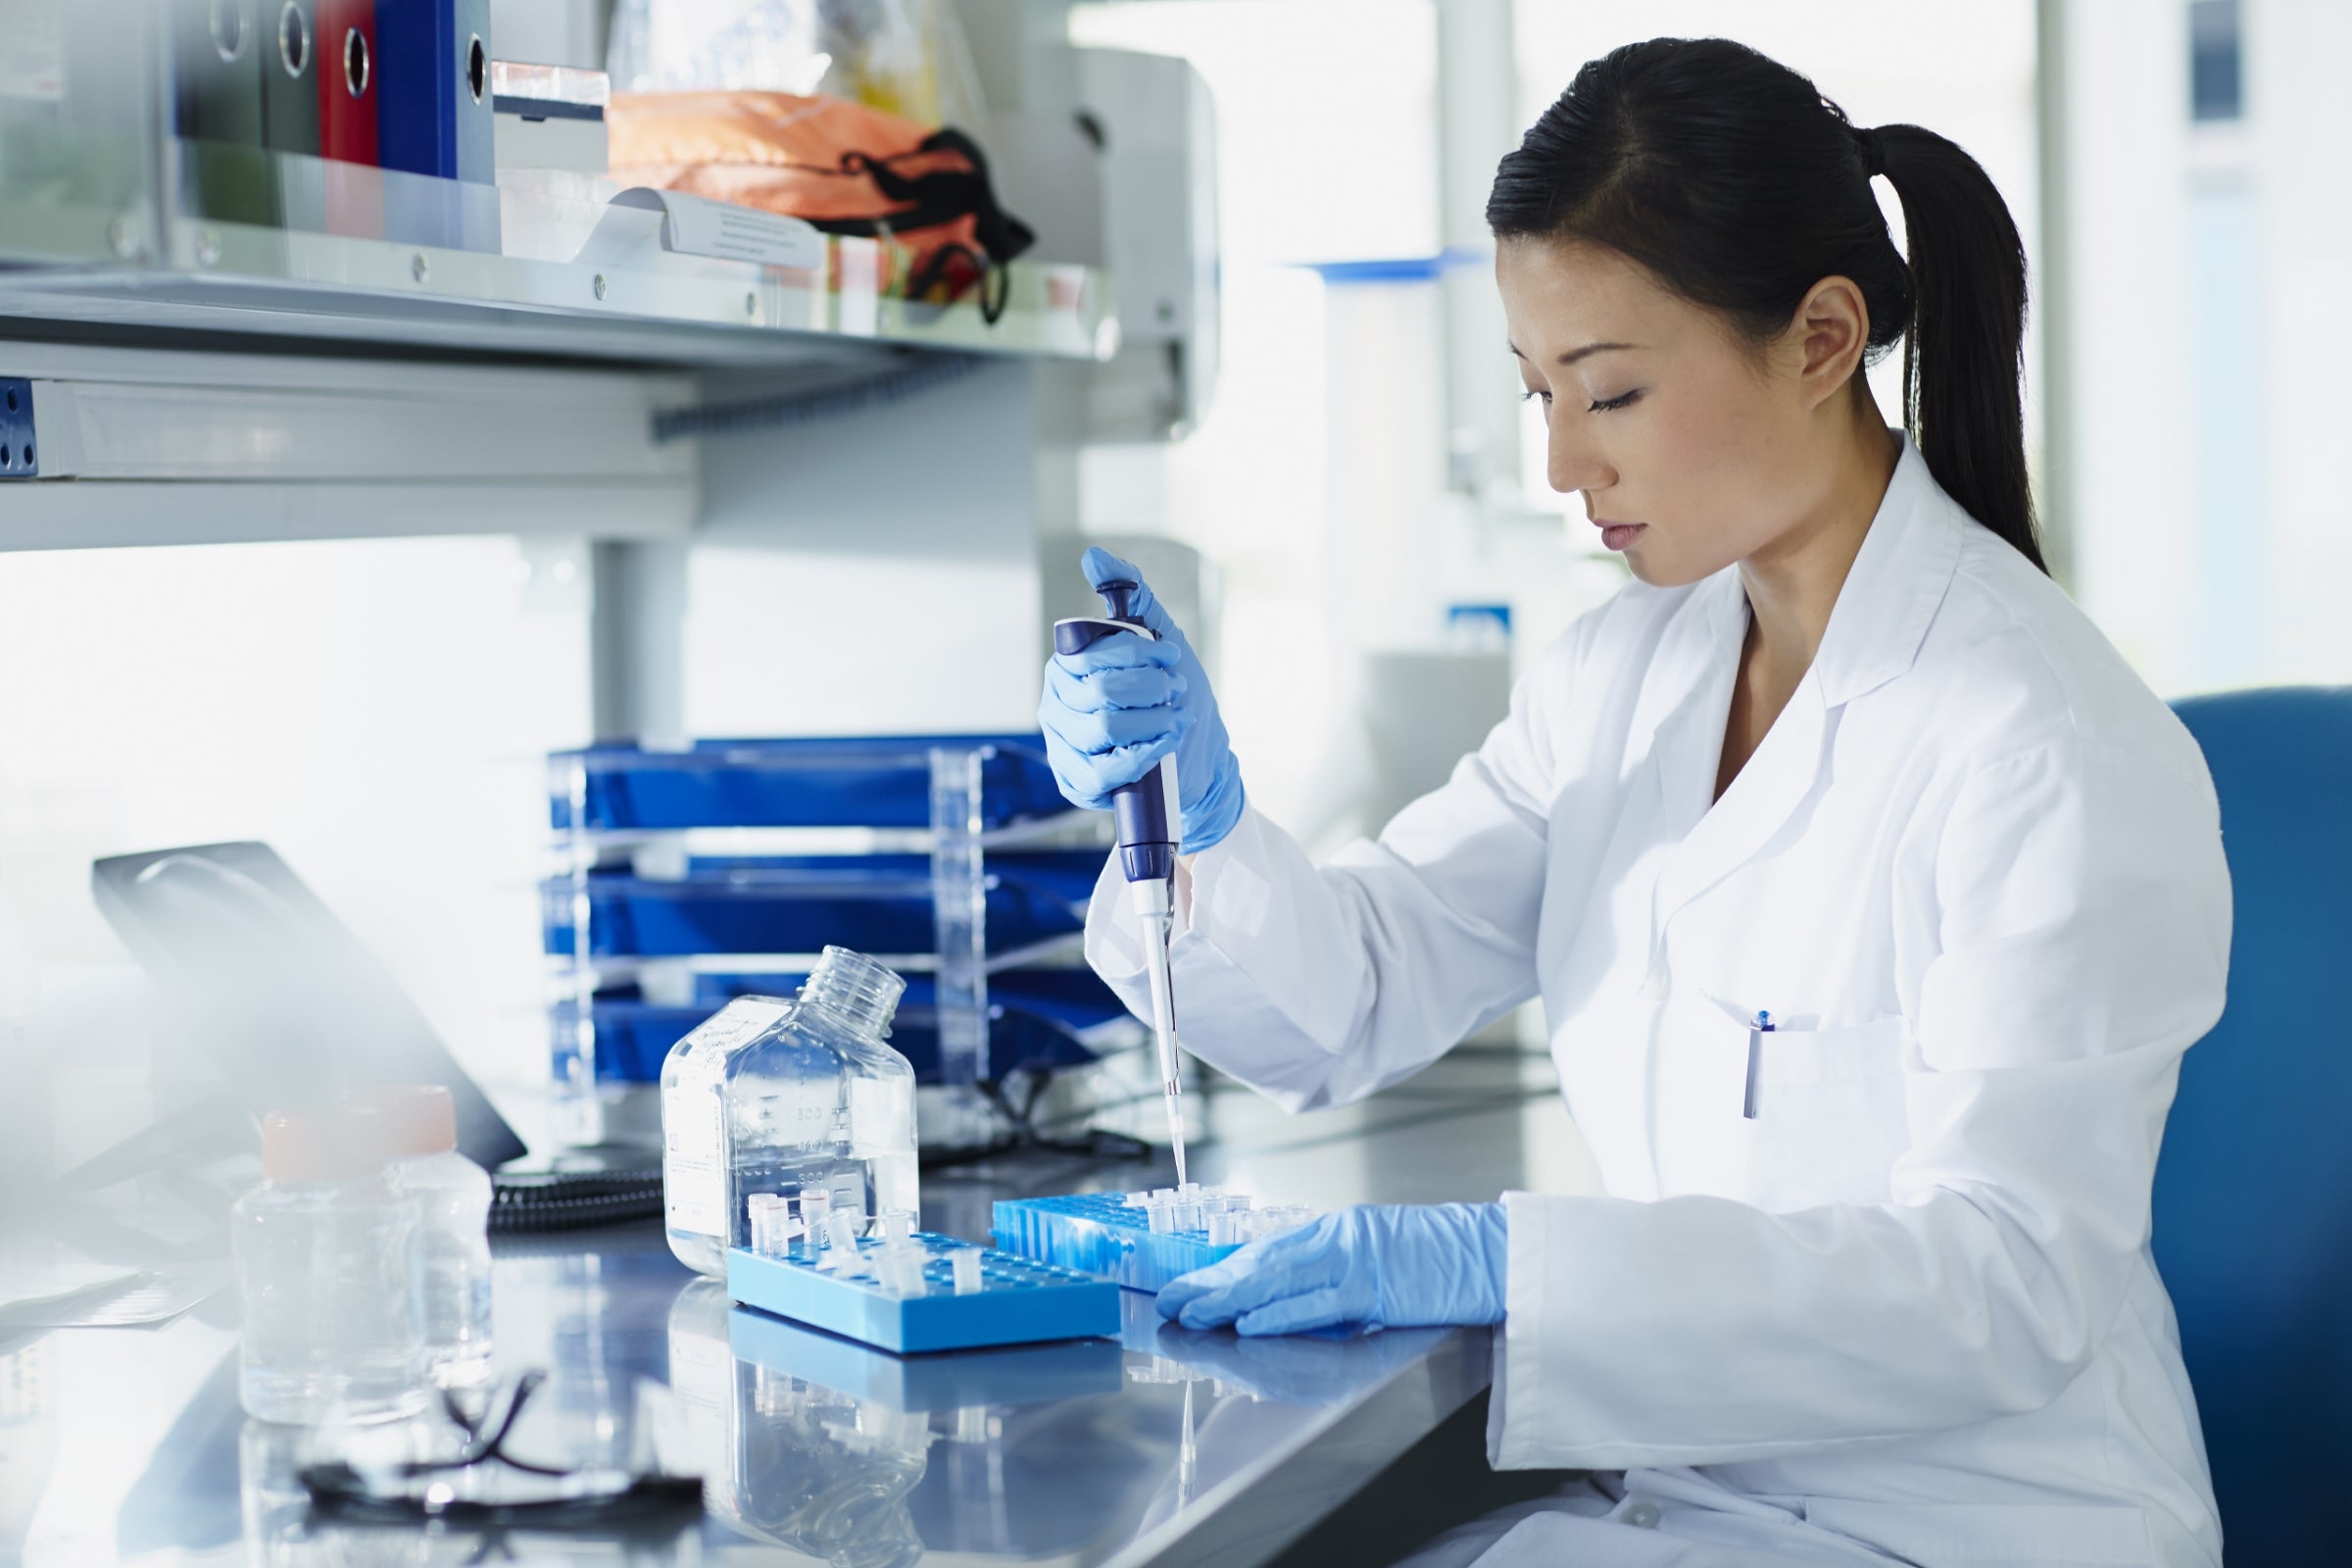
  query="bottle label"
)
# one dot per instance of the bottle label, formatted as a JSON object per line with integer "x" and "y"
{"x": 694, "y": 1172}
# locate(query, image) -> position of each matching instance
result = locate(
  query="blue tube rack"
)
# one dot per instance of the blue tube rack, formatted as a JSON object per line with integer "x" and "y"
{"x": 1012, "y": 1374}
{"x": 1021, "y": 1300}
{"x": 1097, "y": 1233}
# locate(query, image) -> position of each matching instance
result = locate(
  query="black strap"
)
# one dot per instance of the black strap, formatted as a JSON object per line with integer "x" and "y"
{"x": 942, "y": 196}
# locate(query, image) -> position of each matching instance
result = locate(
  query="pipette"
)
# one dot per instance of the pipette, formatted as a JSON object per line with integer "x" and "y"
{"x": 1147, "y": 812}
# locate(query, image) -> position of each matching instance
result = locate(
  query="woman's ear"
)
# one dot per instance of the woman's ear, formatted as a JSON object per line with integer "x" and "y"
{"x": 1829, "y": 333}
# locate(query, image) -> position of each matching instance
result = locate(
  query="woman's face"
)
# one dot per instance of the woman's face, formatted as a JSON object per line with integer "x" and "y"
{"x": 1692, "y": 450}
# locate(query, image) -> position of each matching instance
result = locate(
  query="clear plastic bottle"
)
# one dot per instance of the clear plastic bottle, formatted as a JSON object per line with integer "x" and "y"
{"x": 416, "y": 1126}
{"x": 322, "y": 1252}
{"x": 821, "y": 1104}
{"x": 693, "y": 1129}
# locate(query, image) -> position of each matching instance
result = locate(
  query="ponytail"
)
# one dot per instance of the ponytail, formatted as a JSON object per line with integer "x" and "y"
{"x": 1732, "y": 180}
{"x": 1964, "y": 355}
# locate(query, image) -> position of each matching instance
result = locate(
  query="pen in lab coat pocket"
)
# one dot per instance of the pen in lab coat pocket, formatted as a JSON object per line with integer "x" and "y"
{"x": 1755, "y": 1055}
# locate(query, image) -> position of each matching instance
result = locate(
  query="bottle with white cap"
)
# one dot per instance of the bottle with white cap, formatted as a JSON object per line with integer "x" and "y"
{"x": 416, "y": 1125}
{"x": 323, "y": 1260}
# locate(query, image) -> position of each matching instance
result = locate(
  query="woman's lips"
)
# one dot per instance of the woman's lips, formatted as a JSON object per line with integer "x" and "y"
{"x": 1617, "y": 535}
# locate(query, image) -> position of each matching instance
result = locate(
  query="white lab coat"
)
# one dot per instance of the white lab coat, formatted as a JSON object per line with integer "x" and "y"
{"x": 1975, "y": 874}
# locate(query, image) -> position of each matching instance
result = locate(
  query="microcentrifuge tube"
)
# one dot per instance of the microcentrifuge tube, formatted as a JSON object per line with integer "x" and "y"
{"x": 761, "y": 1216}
{"x": 897, "y": 1225}
{"x": 840, "y": 1240}
{"x": 900, "y": 1268}
{"x": 1163, "y": 1218}
{"x": 965, "y": 1263}
{"x": 1222, "y": 1228}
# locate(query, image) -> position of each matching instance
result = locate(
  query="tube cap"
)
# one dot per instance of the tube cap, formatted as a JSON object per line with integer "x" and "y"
{"x": 407, "y": 1119}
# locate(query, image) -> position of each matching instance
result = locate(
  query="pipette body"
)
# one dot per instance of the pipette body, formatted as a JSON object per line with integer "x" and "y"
{"x": 1146, "y": 816}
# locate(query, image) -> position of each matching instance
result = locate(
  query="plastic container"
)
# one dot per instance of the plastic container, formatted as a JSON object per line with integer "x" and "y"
{"x": 822, "y": 1107}
{"x": 324, "y": 1252}
{"x": 416, "y": 1125}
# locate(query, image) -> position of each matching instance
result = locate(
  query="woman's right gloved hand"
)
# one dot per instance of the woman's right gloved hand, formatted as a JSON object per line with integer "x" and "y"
{"x": 1113, "y": 710}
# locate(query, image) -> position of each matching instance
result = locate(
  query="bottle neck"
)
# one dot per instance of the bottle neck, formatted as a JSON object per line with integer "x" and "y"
{"x": 848, "y": 1017}
{"x": 854, "y": 991}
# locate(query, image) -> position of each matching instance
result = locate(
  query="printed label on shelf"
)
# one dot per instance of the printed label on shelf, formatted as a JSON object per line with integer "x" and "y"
{"x": 696, "y": 226}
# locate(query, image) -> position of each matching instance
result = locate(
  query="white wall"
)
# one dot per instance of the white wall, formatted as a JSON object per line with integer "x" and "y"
{"x": 2128, "y": 482}
{"x": 2209, "y": 335}
{"x": 2300, "y": 132}
{"x": 870, "y": 576}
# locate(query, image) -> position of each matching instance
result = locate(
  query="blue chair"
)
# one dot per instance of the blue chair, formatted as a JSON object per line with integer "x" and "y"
{"x": 2253, "y": 1217}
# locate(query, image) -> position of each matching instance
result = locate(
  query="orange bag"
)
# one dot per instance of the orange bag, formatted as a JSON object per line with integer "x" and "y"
{"x": 844, "y": 167}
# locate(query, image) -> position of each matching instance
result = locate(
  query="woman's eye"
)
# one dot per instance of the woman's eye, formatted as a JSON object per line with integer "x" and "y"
{"x": 1622, "y": 400}
{"x": 1532, "y": 396}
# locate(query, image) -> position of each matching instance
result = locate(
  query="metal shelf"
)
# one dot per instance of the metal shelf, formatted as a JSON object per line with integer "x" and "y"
{"x": 221, "y": 278}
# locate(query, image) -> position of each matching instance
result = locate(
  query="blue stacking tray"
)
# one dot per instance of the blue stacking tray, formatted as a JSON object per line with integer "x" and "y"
{"x": 873, "y": 903}
{"x": 1095, "y": 1233}
{"x": 866, "y": 781}
{"x": 1019, "y": 1302}
{"x": 1010, "y": 1374}
{"x": 1027, "y": 1031}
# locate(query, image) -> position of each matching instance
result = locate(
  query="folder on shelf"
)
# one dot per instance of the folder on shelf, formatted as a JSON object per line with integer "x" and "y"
{"x": 345, "y": 76}
{"x": 217, "y": 85}
{"x": 216, "y": 72}
{"x": 346, "y": 80}
{"x": 433, "y": 105}
{"x": 290, "y": 70}
{"x": 476, "y": 120}
{"x": 433, "y": 120}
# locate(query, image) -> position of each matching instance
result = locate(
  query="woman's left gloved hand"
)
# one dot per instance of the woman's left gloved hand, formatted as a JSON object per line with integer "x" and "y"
{"x": 1409, "y": 1266}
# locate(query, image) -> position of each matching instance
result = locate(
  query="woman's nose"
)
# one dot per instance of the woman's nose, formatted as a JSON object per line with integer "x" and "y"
{"x": 1572, "y": 465}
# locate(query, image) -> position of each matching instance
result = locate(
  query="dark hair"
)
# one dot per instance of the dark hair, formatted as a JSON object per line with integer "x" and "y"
{"x": 1729, "y": 176}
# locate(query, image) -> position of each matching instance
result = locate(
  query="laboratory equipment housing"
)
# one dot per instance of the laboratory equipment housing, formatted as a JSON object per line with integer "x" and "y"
{"x": 750, "y": 470}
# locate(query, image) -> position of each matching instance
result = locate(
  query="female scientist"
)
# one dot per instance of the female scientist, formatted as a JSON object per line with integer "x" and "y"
{"x": 1871, "y": 898}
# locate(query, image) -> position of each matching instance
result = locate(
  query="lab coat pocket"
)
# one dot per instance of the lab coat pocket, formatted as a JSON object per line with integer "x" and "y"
{"x": 2015, "y": 1535}
{"x": 1828, "y": 1118}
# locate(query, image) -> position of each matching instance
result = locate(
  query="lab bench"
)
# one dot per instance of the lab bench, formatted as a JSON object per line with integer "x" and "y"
{"x": 1165, "y": 1447}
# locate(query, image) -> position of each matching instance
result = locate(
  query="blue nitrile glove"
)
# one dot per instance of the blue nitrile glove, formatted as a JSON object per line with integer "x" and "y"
{"x": 1408, "y": 1266}
{"x": 1112, "y": 711}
